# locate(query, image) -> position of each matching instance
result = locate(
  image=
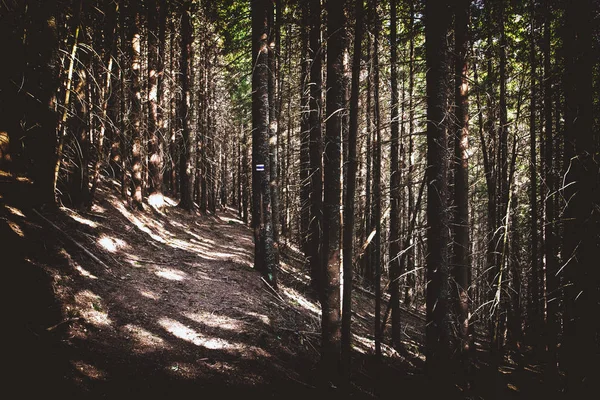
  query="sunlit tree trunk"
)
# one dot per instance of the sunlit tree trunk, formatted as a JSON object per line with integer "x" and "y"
{"x": 330, "y": 303}
{"x": 461, "y": 264}
{"x": 349, "y": 204}
{"x": 265, "y": 252}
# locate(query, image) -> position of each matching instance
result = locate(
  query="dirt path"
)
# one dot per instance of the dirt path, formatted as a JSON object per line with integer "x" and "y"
{"x": 179, "y": 305}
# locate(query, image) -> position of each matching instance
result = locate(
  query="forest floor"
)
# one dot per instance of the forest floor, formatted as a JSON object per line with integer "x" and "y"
{"x": 113, "y": 302}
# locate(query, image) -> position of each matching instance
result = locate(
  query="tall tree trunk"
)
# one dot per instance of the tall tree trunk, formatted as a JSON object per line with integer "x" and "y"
{"x": 461, "y": 264}
{"x": 331, "y": 313}
{"x": 265, "y": 251}
{"x": 274, "y": 96}
{"x": 105, "y": 94}
{"x": 316, "y": 148}
{"x": 394, "y": 249}
{"x": 437, "y": 331}
{"x": 534, "y": 291}
{"x": 377, "y": 179}
{"x": 186, "y": 162}
{"x": 304, "y": 133}
{"x": 349, "y": 205}
{"x": 410, "y": 255}
{"x": 581, "y": 188}
{"x": 157, "y": 17}
{"x": 136, "y": 107}
{"x": 552, "y": 280}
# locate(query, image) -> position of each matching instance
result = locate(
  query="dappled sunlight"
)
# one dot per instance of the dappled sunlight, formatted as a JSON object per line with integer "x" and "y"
{"x": 16, "y": 228}
{"x": 156, "y": 200}
{"x": 301, "y": 300}
{"x": 149, "y": 295}
{"x": 89, "y": 370}
{"x": 84, "y": 273}
{"x": 92, "y": 309}
{"x": 261, "y": 317}
{"x": 111, "y": 244}
{"x": 98, "y": 209}
{"x": 181, "y": 331}
{"x": 144, "y": 341}
{"x": 170, "y": 274}
{"x": 215, "y": 321}
{"x": 15, "y": 211}
{"x": 76, "y": 217}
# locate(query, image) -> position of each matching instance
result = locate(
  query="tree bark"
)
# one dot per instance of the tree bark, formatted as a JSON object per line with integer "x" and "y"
{"x": 349, "y": 204}
{"x": 461, "y": 264}
{"x": 265, "y": 251}
{"x": 331, "y": 318}
{"x": 437, "y": 331}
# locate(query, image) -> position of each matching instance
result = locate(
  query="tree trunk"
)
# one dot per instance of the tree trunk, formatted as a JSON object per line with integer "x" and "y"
{"x": 461, "y": 174}
{"x": 316, "y": 148}
{"x": 330, "y": 304}
{"x": 186, "y": 162}
{"x": 437, "y": 331}
{"x": 394, "y": 249}
{"x": 265, "y": 251}
{"x": 349, "y": 205}
{"x": 581, "y": 188}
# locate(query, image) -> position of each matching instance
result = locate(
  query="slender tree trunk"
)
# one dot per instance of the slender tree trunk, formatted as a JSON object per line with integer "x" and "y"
{"x": 316, "y": 148}
{"x": 274, "y": 95}
{"x": 395, "y": 201}
{"x": 410, "y": 255}
{"x": 157, "y": 16}
{"x": 109, "y": 48}
{"x": 304, "y": 134}
{"x": 136, "y": 108}
{"x": 349, "y": 204}
{"x": 186, "y": 162}
{"x": 461, "y": 174}
{"x": 437, "y": 331}
{"x": 330, "y": 304}
{"x": 377, "y": 180}
{"x": 534, "y": 313}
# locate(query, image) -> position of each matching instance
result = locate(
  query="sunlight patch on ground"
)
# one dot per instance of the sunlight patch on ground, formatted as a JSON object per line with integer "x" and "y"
{"x": 89, "y": 370}
{"x": 261, "y": 317}
{"x": 170, "y": 201}
{"x": 16, "y": 228}
{"x": 111, "y": 244}
{"x": 170, "y": 274}
{"x": 300, "y": 300}
{"x": 232, "y": 220}
{"x": 156, "y": 200}
{"x": 149, "y": 295}
{"x": 79, "y": 218}
{"x": 92, "y": 309}
{"x": 136, "y": 221}
{"x": 362, "y": 345}
{"x": 98, "y": 209}
{"x": 15, "y": 211}
{"x": 144, "y": 341}
{"x": 181, "y": 331}
{"x": 84, "y": 273}
{"x": 216, "y": 321}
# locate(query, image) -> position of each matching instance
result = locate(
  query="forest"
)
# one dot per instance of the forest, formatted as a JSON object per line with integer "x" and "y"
{"x": 346, "y": 198}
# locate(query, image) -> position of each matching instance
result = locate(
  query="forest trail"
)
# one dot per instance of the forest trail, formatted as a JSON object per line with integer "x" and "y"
{"x": 115, "y": 302}
{"x": 158, "y": 301}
